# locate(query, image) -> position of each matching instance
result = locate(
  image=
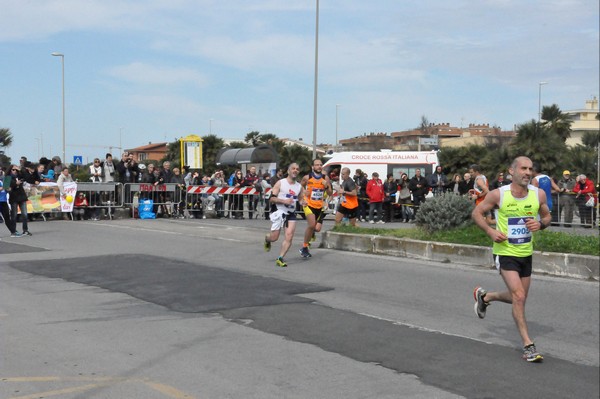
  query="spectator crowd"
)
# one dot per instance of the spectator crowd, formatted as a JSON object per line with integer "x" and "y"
{"x": 381, "y": 199}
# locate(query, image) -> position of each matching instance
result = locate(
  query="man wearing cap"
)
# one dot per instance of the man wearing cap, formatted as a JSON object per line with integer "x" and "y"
{"x": 566, "y": 199}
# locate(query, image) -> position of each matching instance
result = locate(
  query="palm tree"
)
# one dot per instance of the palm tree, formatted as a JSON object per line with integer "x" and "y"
{"x": 458, "y": 159}
{"x": 298, "y": 154}
{"x": 541, "y": 144}
{"x": 5, "y": 137}
{"x": 582, "y": 159}
{"x": 211, "y": 145}
{"x": 590, "y": 139}
{"x": 5, "y": 141}
{"x": 557, "y": 121}
{"x": 265, "y": 138}
{"x": 253, "y": 138}
{"x": 238, "y": 144}
{"x": 173, "y": 153}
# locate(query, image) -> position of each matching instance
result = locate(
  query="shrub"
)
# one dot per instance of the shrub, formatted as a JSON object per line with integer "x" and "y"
{"x": 444, "y": 212}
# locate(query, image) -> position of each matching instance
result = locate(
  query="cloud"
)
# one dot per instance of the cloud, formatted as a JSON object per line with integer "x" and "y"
{"x": 165, "y": 104}
{"x": 27, "y": 20}
{"x": 147, "y": 74}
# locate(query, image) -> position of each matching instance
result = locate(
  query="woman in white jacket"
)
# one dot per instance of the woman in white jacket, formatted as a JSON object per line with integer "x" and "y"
{"x": 96, "y": 174}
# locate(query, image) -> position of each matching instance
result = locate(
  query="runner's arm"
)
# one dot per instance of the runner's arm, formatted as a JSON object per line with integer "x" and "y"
{"x": 478, "y": 216}
{"x": 274, "y": 193}
{"x": 555, "y": 187}
{"x": 483, "y": 187}
{"x": 329, "y": 188}
{"x": 301, "y": 198}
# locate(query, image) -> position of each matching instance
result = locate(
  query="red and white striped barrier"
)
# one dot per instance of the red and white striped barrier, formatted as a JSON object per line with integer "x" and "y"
{"x": 224, "y": 190}
{"x": 230, "y": 190}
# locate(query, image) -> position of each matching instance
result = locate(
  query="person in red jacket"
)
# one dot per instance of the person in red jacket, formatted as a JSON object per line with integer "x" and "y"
{"x": 584, "y": 190}
{"x": 376, "y": 196}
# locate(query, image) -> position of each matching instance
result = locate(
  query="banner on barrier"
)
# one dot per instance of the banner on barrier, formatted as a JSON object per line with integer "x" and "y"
{"x": 45, "y": 197}
{"x": 67, "y": 200}
{"x": 148, "y": 187}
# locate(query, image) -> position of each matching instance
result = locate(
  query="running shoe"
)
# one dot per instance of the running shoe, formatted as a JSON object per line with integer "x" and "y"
{"x": 381, "y": 222}
{"x": 26, "y": 233}
{"x": 16, "y": 234}
{"x": 280, "y": 262}
{"x": 305, "y": 253}
{"x": 313, "y": 238}
{"x": 531, "y": 354}
{"x": 267, "y": 245}
{"x": 480, "y": 304}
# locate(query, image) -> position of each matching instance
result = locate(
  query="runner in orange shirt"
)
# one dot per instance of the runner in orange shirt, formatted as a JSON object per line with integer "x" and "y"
{"x": 348, "y": 204}
{"x": 316, "y": 185}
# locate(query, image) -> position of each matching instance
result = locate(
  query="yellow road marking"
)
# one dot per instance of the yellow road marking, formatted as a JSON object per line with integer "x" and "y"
{"x": 59, "y": 391}
{"x": 167, "y": 390}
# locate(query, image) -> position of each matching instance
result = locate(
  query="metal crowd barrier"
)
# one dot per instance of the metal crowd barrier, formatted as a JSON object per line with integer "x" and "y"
{"x": 231, "y": 202}
{"x": 175, "y": 200}
{"x": 568, "y": 210}
{"x": 101, "y": 196}
{"x": 168, "y": 198}
{"x": 228, "y": 202}
{"x": 44, "y": 199}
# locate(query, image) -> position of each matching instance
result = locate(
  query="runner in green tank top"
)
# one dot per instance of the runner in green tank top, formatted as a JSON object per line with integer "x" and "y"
{"x": 517, "y": 208}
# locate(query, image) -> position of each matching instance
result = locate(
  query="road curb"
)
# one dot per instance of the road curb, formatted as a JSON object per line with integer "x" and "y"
{"x": 583, "y": 267}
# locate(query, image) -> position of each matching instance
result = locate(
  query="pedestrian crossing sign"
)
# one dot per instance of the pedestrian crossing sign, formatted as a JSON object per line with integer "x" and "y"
{"x": 78, "y": 159}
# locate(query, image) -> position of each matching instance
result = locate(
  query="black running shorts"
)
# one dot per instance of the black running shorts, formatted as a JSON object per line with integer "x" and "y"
{"x": 349, "y": 213}
{"x": 521, "y": 265}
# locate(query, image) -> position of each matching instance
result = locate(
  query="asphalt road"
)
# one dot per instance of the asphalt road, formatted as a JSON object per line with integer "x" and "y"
{"x": 196, "y": 309}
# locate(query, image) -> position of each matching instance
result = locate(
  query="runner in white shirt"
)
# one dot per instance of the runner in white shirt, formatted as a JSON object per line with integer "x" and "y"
{"x": 284, "y": 194}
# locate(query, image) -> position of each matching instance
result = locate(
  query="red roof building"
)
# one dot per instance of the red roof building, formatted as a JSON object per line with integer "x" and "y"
{"x": 154, "y": 152}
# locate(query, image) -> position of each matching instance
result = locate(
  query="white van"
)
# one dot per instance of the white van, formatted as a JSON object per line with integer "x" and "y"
{"x": 384, "y": 162}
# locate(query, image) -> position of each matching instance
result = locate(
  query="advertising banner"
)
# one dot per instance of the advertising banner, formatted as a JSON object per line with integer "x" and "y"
{"x": 45, "y": 197}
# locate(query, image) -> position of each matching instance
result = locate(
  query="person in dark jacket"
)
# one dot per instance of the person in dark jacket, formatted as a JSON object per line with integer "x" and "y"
{"x": 29, "y": 174}
{"x": 438, "y": 181}
{"x": 390, "y": 188}
{"x": 128, "y": 169}
{"x": 419, "y": 189}
{"x": 360, "y": 180}
{"x": 18, "y": 198}
{"x": 4, "y": 209}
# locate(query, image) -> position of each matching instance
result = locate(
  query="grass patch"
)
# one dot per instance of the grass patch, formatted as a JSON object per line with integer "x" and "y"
{"x": 545, "y": 241}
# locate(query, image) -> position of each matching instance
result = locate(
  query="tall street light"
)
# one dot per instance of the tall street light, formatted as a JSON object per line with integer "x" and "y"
{"x": 62, "y": 59}
{"x": 540, "y": 101}
{"x": 337, "y": 106}
{"x": 314, "y": 152}
{"x": 210, "y": 121}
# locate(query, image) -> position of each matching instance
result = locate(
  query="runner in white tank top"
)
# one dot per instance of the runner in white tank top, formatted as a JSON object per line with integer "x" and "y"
{"x": 285, "y": 194}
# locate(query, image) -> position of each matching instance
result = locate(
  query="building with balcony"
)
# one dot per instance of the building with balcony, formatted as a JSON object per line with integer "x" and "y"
{"x": 584, "y": 120}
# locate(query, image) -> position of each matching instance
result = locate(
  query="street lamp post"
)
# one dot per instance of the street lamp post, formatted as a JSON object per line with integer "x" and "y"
{"x": 38, "y": 146}
{"x": 337, "y": 106}
{"x": 540, "y": 100}
{"x": 210, "y": 121}
{"x": 314, "y": 151}
{"x": 62, "y": 59}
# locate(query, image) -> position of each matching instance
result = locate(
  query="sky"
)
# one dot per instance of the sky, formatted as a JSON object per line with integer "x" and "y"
{"x": 156, "y": 70}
